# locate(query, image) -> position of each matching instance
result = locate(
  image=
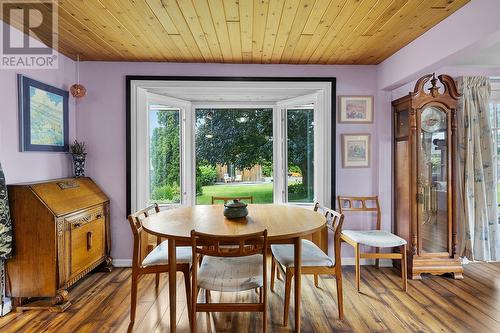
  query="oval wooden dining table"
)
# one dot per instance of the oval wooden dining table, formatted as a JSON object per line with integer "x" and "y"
{"x": 284, "y": 224}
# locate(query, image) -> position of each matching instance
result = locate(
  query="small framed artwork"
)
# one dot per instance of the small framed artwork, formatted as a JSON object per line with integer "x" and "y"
{"x": 355, "y": 109}
{"x": 43, "y": 116}
{"x": 356, "y": 150}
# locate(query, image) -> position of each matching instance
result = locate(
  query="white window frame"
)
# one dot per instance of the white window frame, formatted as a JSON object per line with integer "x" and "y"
{"x": 320, "y": 165}
{"x": 139, "y": 154}
{"x": 141, "y": 147}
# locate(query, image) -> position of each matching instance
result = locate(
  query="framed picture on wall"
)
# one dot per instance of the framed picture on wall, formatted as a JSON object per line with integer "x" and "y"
{"x": 355, "y": 109}
{"x": 356, "y": 150}
{"x": 43, "y": 116}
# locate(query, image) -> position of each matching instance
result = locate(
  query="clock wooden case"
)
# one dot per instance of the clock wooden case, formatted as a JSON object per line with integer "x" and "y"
{"x": 425, "y": 141}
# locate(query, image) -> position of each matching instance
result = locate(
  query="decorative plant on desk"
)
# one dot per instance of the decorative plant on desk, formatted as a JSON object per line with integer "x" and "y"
{"x": 79, "y": 153}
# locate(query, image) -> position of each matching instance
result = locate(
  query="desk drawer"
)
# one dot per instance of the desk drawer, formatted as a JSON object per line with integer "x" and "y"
{"x": 87, "y": 237}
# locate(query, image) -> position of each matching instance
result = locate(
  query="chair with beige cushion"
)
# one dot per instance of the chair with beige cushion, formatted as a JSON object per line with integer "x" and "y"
{"x": 216, "y": 199}
{"x": 237, "y": 268}
{"x": 156, "y": 261}
{"x": 373, "y": 238}
{"x": 314, "y": 260}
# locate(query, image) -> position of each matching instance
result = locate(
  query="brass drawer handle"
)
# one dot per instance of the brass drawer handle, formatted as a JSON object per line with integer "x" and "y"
{"x": 77, "y": 223}
{"x": 89, "y": 240}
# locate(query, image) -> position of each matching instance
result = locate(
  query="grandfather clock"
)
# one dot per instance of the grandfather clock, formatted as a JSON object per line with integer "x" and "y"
{"x": 425, "y": 148}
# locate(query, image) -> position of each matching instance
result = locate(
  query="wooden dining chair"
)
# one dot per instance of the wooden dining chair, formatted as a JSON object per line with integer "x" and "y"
{"x": 314, "y": 260}
{"x": 374, "y": 238}
{"x": 226, "y": 199}
{"x": 234, "y": 269}
{"x": 215, "y": 199}
{"x": 156, "y": 261}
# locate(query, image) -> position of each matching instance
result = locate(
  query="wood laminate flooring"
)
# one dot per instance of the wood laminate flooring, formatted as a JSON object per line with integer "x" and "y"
{"x": 101, "y": 303}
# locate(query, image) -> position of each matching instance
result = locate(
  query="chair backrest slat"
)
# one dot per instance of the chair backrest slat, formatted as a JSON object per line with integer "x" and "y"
{"x": 226, "y": 199}
{"x": 348, "y": 204}
{"x": 334, "y": 219}
{"x": 135, "y": 221}
{"x": 245, "y": 245}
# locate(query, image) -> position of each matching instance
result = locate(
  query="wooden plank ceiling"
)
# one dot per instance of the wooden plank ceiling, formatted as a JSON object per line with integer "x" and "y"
{"x": 246, "y": 31}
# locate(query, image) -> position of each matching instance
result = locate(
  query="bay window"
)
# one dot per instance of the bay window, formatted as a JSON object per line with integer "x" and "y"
{"x": 190, "y": 141}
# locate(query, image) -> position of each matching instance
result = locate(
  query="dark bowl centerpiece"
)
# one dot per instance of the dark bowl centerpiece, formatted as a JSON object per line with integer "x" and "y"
{"x": 235, "y": 209}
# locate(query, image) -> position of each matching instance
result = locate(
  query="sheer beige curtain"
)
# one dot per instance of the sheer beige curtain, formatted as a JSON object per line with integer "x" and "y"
{"x": 477, "y": 173}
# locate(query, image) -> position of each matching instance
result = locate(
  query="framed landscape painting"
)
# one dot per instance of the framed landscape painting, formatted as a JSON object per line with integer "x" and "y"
{"x": 43, "y": 116}
{"x": 356, "y": 109}
{"x": 356, "y": 150}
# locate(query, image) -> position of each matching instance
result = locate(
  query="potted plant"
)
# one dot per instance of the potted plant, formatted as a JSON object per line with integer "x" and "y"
{"x": 79, "y": 153}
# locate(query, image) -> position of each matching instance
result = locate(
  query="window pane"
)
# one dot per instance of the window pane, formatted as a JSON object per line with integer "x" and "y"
{"x": 164, "y": 151}
{"x": 498, "y": 115}
{"x": 493, "y": 115}
{"x": 497, "y": 140}
{"x": 300, "y": 152}
{"x": 234, "y": 154}
{"x": 496, "y": 111}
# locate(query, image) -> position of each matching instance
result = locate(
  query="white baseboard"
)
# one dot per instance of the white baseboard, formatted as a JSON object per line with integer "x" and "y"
{"x": 122, "y": 262}
{"x": 7, "y": 306}
{"x": 345, "y": 262}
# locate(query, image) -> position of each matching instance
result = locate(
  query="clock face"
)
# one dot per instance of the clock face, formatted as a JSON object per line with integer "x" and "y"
{"x": 432, "y": 119}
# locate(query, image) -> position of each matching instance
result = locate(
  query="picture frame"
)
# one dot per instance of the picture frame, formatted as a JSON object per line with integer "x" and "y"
{"x": 356, "y": 150}
{"x": 356, "y": 109}
{"x": 43, "y": 116}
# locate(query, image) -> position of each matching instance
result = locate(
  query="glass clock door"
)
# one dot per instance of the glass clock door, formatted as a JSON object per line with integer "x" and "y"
{"x": 432, "y": 181}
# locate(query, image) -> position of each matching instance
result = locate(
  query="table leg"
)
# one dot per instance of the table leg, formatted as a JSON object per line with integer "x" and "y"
{"x": 172, "y": 283}
{"x": 298, "y": 277}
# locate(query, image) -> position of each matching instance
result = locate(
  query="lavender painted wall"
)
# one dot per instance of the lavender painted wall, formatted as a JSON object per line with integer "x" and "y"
{"x": 100, "y": 117}
{"x": 472, "y": 27}
{"x": 101, "y": 123}
{"x": 453, "y": 71}
{"x": 29, "y": 166}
